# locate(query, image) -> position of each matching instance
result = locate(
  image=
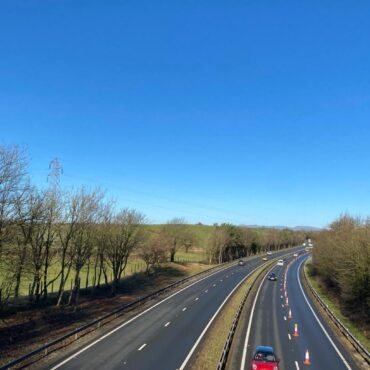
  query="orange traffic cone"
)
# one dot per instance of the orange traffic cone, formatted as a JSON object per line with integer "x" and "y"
{"x": 295, "y": 331}
{"x": 307, "y": 358}
{"x": 290, "y": 314}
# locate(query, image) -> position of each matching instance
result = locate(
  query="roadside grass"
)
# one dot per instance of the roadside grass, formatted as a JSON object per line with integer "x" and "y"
{"x": 212, "y": 346}
{"x": 335, "y": 308}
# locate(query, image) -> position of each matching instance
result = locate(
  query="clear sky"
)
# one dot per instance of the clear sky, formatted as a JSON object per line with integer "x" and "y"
{"x": 251, "y": 112}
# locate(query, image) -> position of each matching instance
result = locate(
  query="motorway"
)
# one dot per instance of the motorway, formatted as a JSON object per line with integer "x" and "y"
{"x": 163, "y": 336}
{"x": 269, "y": 324}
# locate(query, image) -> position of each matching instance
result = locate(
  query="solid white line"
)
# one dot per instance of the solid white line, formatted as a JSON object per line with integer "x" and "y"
{"x": 182, "y": 367}
{"x": 289, "y": 336}
{"x": 296, "y": 365}
{"x": 167, "y": 324}
{"x": 242, "y": 365}
{"x": 184, "y": 309}
{"x": 132, "y": 319}
{"x": 144, "y": 345}
{"x": 319, "y": 322}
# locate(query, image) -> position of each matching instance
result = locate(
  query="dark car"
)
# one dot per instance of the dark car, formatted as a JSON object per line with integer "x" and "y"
{"x": 265, "y": 359}
{"x": 271, "y": 276}
{"x": 241, "y": 263}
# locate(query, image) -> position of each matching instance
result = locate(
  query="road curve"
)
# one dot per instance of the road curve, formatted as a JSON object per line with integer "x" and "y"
{"x": 270, "y": 325}
{"x": 162, "y": 336}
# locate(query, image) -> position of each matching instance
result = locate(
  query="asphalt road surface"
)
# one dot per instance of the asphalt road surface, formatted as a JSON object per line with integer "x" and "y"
{"x": 270, "y": 325}
{"x": 163, "y": 336}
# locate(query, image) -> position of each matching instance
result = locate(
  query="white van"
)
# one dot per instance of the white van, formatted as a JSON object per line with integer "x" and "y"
{"x": 280, "y": 263}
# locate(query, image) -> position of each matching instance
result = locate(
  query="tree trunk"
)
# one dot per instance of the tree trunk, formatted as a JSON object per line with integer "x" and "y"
{"x": 87, "y": 274}
{"x": 172, "y": 255}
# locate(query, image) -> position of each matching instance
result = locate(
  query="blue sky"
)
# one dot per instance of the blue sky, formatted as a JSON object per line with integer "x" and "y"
{"x": 253, "y": 112}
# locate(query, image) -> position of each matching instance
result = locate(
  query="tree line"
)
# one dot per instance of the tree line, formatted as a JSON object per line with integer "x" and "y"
{"x": 70, "y": 231}
{"x": 341, "y": 258}
{"x": 229, "y": 242}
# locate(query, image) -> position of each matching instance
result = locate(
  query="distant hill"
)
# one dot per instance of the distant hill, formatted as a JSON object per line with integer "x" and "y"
{"x": 279, "y": 227}
{"x": 306, "y": 228}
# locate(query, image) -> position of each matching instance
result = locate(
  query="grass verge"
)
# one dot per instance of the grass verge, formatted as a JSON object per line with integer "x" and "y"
{"x": 334, "y": 307}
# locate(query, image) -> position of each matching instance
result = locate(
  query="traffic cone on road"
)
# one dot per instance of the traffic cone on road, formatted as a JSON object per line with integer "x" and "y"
{"x": 290, "y": 314}
{"x": 307, "y": 358}
{"x": 295, "y": 334}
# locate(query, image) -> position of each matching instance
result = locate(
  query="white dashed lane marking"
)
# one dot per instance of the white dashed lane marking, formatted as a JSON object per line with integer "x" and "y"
{"x": 167, "y": 324}
{"x": 142, "y": 347}
{"x": 184, "y": 309}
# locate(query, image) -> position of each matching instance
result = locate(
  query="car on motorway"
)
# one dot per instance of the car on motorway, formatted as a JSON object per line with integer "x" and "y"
{"x": 269, "y": 253}
{"x": 265, "y": 359}
{"x": 272, "y": 276}
{"x": 280, "y": 262}
{"x": 241, "y": 263}
{"x": 295, "y": 254}
{"x": 264, "y": 258}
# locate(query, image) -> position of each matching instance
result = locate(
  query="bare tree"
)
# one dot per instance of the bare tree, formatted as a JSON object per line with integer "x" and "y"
{"x": 152, "y": 252}
{"x": 85, "y": 205}
{"x": 176, "y": 234}
{"x": 125, "y": 233}
{"x": 217, "y": 244}
{"x": 76, "y": 236}
{"x": 13, "y": 182}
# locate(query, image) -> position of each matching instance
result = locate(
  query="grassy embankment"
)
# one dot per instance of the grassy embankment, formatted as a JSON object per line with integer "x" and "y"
{"x": 334, "y": 306}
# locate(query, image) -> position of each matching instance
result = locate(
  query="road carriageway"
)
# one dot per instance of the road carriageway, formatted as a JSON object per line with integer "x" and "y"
{"x": 162, "y": 336}
{"x": 283, "y": 316}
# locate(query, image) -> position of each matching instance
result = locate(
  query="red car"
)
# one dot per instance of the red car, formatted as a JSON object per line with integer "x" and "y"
{"x": 265, "y": 359}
